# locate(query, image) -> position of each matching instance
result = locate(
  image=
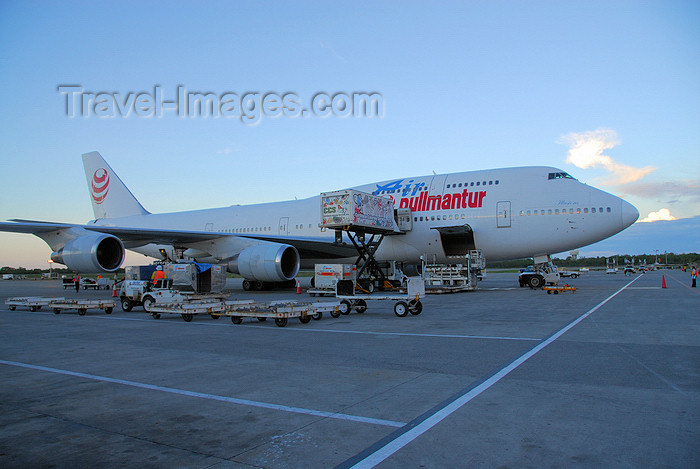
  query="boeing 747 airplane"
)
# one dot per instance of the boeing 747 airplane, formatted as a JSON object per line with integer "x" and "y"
{"x": 508, "y": 213}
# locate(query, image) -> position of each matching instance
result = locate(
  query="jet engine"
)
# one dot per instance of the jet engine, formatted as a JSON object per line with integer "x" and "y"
{"x": 91, "y": 253}
{"x": 267, "y": 262}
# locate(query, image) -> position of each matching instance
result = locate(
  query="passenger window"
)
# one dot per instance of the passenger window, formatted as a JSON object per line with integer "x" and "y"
{"x": 585, "y": 210}
{"x": 556, "y": 211}
{"x": 609, "y": 210}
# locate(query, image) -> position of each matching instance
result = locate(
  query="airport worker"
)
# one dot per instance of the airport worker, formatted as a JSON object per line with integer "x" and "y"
{"x": 158, "y": 274}
{"x": 694, "y": 276}
{"x": 76, "y": 280}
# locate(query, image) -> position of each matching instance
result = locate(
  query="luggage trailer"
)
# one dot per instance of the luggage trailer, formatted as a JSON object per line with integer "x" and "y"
{"x": 281, "y": 311}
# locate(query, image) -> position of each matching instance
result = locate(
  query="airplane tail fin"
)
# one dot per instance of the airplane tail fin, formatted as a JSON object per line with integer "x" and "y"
{"x": 109, "y": 195}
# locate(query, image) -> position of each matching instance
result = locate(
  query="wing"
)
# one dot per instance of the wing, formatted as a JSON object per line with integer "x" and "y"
{"x": 308, "y": 247}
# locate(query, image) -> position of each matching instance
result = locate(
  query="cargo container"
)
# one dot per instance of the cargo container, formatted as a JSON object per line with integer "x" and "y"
{"x": 355, "y": 209}
{"x": 196, "y": 277}
{"x": 327, "y": 275}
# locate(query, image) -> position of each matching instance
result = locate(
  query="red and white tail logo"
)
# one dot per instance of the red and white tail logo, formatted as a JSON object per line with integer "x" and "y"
{"x": 100, "y": 185}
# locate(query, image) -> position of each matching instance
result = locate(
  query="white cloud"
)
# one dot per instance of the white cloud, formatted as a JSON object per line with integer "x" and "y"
{"x": 662, "y": 215}
{"x": 586, "y": 151}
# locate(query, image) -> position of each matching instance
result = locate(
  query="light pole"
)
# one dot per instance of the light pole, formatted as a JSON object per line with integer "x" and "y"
{"x": 50, "y": 268}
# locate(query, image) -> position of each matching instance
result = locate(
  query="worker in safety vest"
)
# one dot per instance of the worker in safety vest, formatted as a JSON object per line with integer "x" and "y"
{"x": 694, "y": 276}
{"x": 158, "y": 274}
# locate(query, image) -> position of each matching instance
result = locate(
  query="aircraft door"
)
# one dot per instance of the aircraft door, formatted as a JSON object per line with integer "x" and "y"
{"x": 437, "y": 184}
{"x": 209, "y": 227}
{"x": 503, "y": 214}
{"x": 284, "y": 226}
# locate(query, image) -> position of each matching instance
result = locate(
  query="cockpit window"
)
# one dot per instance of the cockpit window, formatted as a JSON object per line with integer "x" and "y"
{"x": 561, "y": 176}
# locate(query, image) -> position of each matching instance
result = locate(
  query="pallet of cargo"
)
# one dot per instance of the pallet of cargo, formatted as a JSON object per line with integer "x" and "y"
{"x": 557, "y": 289}
{"x": 408, "y": 302}
{"x": 34, "y": 303}
{"x": 81, "y": 305}
{"x": 281, "y": 311}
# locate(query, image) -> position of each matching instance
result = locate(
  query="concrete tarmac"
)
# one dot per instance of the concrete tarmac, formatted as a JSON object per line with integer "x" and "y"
{"x": 500, "y": 377}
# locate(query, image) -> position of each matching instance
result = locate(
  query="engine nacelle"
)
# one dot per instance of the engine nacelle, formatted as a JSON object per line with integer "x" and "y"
{"x": 267, "y": 263}
{"x": 91, "y": 253}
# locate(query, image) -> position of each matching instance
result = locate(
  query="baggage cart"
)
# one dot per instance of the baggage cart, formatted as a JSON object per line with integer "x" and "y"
{"x": 34, "y": 303}
{"x": 81, "y": 305}
{"x": 406, "y": 303}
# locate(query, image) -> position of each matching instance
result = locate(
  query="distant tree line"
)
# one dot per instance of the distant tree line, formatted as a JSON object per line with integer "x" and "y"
{"x": 23, "y": 271}
{"x": 675, "y": 259}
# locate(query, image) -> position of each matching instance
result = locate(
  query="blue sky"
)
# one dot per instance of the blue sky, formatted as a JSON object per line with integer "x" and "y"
{"x": 466, "y": 85}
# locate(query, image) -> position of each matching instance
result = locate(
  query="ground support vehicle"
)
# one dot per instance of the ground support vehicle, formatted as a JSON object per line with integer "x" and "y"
{"x": 405, "y": 303}
{"x": 34, "y": 303}
{"x": 168, "y": 296}
{"x": 557, "y": 289}
{"x": 281, "y": 311}
{"x": 60, "y": 304}
{"x": 539, "y": 275}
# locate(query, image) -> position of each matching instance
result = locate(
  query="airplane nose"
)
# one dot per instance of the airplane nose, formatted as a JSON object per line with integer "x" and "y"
{"x": 629, "y": 214}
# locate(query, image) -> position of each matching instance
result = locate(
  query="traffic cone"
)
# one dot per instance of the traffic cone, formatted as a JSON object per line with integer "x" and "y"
{"x": 298, "y": 287}
{"x": 114, "y": 290}
{"x": 663, "y": 281}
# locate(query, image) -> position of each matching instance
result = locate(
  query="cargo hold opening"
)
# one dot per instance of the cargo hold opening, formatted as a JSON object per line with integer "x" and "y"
{"x": 457, "y": 241}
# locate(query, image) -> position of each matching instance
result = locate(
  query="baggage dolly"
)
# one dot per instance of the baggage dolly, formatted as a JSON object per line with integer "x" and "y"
{"x": 556, "y": 290}
{"x": 60, "y": 304}
{"x": 281, "y": 311}
{"x": 408, "y": 303}
{"x": 187, "y": 309}
{"x": 34, "y": 303}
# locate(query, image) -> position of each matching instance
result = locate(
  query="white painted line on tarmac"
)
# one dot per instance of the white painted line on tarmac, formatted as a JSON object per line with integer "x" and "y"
{"x": 214, "y": 397}
{"x": 307, "y": 329}
{"x": 424, "y": 423}
{"x": 411, "y": 334}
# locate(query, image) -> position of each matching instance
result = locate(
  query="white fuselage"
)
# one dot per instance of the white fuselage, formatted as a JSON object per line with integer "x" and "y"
{"x": 512, "y": 212}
